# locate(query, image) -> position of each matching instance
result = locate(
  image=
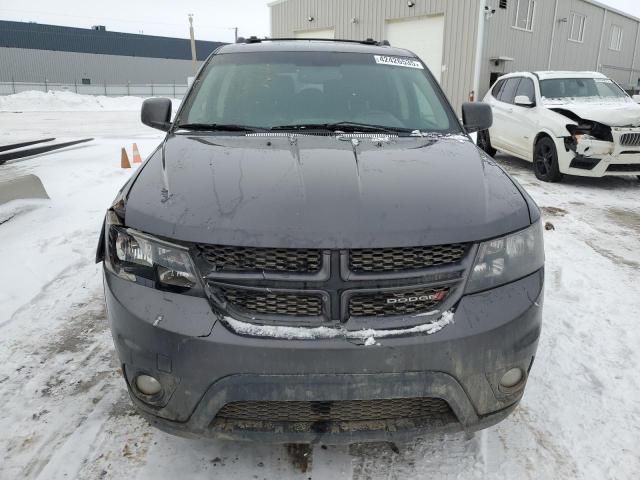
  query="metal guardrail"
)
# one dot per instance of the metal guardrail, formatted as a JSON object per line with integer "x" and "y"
{"x": 172, "y": 90}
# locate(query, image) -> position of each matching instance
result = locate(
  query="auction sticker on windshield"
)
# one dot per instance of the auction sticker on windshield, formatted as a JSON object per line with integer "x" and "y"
{"x": 398, "y": 62}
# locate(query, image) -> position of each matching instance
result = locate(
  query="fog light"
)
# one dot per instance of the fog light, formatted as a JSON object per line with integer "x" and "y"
{"x": 148, "y": 385}
{"x": 512, "y": 378}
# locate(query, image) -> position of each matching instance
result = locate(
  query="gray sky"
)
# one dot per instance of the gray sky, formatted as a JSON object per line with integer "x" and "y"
{"x": 214, "y": 19}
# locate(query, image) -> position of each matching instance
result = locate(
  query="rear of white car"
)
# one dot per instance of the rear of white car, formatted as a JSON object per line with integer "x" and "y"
{"x": 576, "y": 123}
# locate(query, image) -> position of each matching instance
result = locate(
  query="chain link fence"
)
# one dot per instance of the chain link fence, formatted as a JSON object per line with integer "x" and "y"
{"x": 172, "y": 90}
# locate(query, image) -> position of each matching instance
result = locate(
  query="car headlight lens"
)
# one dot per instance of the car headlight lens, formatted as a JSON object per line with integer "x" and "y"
{"x": 506, "y": 259}
{"x": 583, "y": 136}
{"x": 139, "y": 257}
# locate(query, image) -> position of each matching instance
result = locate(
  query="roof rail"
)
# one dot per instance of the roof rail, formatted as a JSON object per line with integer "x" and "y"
{"x": 368, "y": 41}
{"x": 252, "y": 39}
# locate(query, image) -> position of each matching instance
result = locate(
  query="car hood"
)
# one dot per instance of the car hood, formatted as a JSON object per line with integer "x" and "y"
{"x": 612, "y": 114}
{"x": 323, "y": 192}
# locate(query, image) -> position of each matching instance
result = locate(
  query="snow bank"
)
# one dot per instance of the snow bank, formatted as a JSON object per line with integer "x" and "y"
{"x": 55, "y": 101}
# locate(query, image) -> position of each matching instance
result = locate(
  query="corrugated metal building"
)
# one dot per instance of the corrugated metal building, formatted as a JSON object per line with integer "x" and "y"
{"x": 468, "y": 43}
{"x": 31, "y": 52}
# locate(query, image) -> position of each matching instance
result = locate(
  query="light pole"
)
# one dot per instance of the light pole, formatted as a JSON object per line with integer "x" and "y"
{"x": 193, "y": 44}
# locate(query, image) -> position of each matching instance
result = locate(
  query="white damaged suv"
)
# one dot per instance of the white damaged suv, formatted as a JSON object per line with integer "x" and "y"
{"x": 575, "y": 123}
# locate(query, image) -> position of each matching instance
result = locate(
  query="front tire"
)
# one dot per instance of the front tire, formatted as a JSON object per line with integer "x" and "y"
{"x": 545, "y": 161}
{"x": 484, "y": 143}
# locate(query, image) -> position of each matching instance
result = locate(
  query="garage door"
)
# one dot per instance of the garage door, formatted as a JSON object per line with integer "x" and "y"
{"x": 324, "y": 33}
{"x": 423, "y": 35}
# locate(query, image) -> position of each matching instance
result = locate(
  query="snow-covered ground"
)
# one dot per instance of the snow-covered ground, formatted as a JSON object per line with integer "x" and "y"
{"x": 66, "y": 414}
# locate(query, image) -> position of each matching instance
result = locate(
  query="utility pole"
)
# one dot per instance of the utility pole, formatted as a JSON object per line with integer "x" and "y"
{"x": 236, "y": 30}
{"x": 193, "y": 44}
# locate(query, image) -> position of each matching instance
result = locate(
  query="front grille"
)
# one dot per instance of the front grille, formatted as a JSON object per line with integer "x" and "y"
{"x": 249, "y": 259}
{"x": 286, "y": 286}
{"x": 372, "y": 260}
{"x": 406, "y": 302}
{"x": 263, "y": 302}
{"x": 335, "y": 411}
{"x": 630, "y": 140}
{"x": 629, "y": 167}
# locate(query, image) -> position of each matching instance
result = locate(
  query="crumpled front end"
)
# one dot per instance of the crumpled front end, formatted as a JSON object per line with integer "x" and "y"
{"x": 596, "y": 149}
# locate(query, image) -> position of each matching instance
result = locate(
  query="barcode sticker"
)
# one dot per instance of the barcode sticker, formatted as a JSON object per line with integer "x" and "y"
{"x": 398, "y": 62}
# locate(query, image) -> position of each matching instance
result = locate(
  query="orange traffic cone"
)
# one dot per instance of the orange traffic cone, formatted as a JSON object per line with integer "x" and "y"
{"x": 136, "y": 154}
{"x": 124, "y": 159}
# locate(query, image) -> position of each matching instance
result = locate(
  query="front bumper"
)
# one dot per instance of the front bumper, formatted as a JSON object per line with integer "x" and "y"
{"x": 203, "y": 365}
{"x": 596, "y": 158}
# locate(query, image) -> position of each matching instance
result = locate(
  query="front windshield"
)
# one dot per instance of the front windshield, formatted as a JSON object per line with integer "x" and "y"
{"x": 278, "y": 89}
{"x": 561, "y": 90}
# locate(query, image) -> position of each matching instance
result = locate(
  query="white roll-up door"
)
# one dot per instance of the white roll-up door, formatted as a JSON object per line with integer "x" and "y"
{"x": 324, "y": 33}
{"x": 424, "y": 36}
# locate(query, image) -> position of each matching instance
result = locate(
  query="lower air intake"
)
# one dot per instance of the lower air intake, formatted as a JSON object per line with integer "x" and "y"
{"x": 336, "y": 411}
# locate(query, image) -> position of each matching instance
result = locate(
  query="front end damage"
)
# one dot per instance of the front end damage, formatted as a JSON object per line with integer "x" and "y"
{"x": 595, "y": 149}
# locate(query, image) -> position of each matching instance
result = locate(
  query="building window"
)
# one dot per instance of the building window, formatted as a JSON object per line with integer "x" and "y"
{"x": 616, "y": 38}
{"x": 503, "y": 4}
{"x": 576, "y": 27}
{"x": 525, "y": 11}
{"x": 86, "y": 81}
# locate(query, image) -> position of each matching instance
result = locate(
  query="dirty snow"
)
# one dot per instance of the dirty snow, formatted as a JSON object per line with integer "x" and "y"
{"x": 309, "y": 333}
{"x": 66, "y": 413}
{"x": 371, "y": 341}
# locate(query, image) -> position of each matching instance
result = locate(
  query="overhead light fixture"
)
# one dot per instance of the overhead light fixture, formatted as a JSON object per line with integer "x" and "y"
{"x": 311, "y": 19}
{"x": 354, "y": 20}
{"x": 411, "y": 4}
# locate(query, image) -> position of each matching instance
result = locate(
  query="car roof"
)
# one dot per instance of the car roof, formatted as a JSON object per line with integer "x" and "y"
{"x": 546, "y": 75}
{"x": 558, "y": 74}
{"x": 305, "y": 45}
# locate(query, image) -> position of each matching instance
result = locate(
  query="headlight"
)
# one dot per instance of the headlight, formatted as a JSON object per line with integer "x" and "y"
{"x": 142, "y": 258}
{"x": 583, "y": 136}
{"x": 507, "y": 259}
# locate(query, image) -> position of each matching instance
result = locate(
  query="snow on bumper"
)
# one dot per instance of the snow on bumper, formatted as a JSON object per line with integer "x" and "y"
{"x": 461, "y": 364}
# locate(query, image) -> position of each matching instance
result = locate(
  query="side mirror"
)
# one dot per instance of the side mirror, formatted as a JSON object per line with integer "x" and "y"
{"x": 476, "y": 116}
{"x": 156, "y": 113}
{"x": 523, "y": 101}
{"x": 636, "y": 98}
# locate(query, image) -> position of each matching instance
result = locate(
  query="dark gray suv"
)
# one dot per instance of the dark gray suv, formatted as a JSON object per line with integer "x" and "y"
{"x": 318, "y": 252}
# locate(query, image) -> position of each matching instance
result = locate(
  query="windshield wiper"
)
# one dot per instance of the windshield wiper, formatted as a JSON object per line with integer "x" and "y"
{"x": 344, "y": 127}
{"x": 217, "y": 127}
